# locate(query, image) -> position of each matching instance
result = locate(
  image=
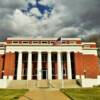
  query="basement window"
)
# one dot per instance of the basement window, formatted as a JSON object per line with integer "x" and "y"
{"x": 44, "y": 42}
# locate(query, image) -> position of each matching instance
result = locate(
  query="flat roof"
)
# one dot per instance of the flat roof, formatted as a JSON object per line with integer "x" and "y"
{"x": 31, "y": 38}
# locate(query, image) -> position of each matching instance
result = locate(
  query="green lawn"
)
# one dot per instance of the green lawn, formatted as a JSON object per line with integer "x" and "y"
{"x": 83, "y": 93}
{"x": 11, "y": 94}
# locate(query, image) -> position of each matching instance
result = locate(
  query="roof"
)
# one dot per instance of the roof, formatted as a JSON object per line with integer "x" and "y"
{"x": 31, "y": 38}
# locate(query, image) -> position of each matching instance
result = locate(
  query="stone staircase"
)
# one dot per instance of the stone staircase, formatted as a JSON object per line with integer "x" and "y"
{"x": 64, "y": 84}
{"x": 36, "y": 84}
{"x": 19, "y": 84}
{"x": 42, "y": 84}
{"x": 71, "y": 84}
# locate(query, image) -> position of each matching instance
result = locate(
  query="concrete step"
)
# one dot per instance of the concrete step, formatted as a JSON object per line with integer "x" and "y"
{"x": 64, "y": 84}
{"x": 43, "y": 84}
{"x": 17, "y": 84}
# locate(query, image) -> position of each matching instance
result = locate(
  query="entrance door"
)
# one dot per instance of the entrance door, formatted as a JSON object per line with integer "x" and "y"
{"x": 44, "y": 74}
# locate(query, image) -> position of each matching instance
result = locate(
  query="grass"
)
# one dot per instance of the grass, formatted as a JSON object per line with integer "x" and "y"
{"x": 11, "y": 94}
{"x": 83, "y": 93}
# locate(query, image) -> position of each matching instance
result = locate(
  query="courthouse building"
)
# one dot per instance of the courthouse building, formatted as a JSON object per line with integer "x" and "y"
{"x": 48, "y": 59}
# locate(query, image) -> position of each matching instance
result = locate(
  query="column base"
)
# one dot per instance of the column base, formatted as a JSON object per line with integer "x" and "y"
{"x": 18, "y": 77}
{"x": 29, "y": 78}
{"x": 39, "y": 78}
{"x": 4, "y": 77}
{"x": 82, "y": 77}
{"x": 77, "y": 76}
{"x": 10, "y": 77}
{"x": 98, "y": 77}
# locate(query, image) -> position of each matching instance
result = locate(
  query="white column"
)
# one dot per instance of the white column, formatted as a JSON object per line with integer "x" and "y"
{"x": 29, "y": 72}
{"x": 19, "y": 67}
{"x": 39, "y": 66}
{"x": 69, "y": 72}
{"x": 59, "y": 66}
{"x": 49, "y": 66}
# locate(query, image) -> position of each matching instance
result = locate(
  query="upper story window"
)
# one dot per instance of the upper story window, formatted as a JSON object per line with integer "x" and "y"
{"x": 1, "y": 45}
{"x": 35, "y": 42}
{"x": 63, "y": 42}
{"x": 25, "y": 42}
{"x": 44, "y": 42}
{"x": 51, "y": 42}
{"x": 15, "y": 41}
{"x": 34, "y": 57}
{"x": 86, "y": 46}
{"x": 44, "y": 57}
{"x": 72, "y": 42}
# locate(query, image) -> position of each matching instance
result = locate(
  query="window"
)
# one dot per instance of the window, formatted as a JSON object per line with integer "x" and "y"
{"x": 44, "y": 57}
{"x": 54, "y": 57}
{"x": 64, "y": 57}
{"x": 35, "y": 42}
{"x": 44, "y": 42}
{"x": 25, "y": 42}
{"x": 63, "y": 42}
{"x": 15, "y": 42}
{"x": 1, "y": 45}
{"x": 72, "y": 42}
{"x": 34, "y": 57}
{"x": 87, "y": 46}
{"x": 52, "y": 42}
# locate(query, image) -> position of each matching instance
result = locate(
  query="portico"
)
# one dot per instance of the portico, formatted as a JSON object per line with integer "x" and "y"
{"x": 50, "y": 65}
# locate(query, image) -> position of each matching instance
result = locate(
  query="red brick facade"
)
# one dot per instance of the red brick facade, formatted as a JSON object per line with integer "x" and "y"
{"x": 79, "y": 69}
{"x": 9, "y": 65}
{"x": 1, "y": 65}
{"x": 87, "y": 65}
{"x": 91, "y": 66}
{"x": 84, "y": 65}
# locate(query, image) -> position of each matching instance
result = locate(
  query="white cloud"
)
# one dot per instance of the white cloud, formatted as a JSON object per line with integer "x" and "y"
{"x": 68, "y": 18}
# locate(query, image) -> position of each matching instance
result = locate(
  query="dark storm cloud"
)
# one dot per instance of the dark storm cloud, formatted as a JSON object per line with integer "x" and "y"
{"x": 85, "y": 12}
{"x": 72, "y": 18}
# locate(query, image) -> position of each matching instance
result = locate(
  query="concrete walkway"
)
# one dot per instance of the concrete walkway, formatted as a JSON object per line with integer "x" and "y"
{"x": 44, "y": 95}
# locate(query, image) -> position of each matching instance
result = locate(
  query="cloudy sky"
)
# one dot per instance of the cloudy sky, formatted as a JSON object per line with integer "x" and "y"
{"x": 69, "y": 18}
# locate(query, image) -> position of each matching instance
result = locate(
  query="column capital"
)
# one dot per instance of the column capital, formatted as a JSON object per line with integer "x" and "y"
{"x": 29, "y": 51}
{"x": 68, "y": 51}
{"x": 20, "y": 52}
{"x": 49, "y": 52}
{"x": 59, "y": 52}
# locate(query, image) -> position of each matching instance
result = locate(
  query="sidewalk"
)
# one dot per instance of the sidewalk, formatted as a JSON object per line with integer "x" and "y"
{"x": 44, "y": 95}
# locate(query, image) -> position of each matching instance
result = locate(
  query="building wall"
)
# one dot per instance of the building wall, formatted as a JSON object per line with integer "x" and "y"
{"x": 9, "y": 65}
{"x": 87, "y": 65}
{"x": 79, "y": 69}
{"x": 1, "y": 65}
{"x": 91, "y": 65}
